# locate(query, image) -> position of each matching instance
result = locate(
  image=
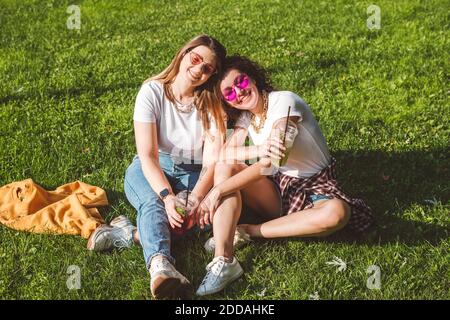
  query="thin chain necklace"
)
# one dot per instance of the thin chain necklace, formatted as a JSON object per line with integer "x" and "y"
{"x": 183, "y": 108}
{"x": 262, "y": 119}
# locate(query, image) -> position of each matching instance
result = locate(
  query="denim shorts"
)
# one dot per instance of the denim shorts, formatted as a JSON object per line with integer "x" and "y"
{"x": 317, "y": 197}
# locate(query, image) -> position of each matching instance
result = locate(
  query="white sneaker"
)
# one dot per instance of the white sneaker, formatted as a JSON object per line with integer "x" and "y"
{"x": 107, "y": 238}
{"x": 239, "y": 240}
{"x": 166, "y": 281}
{"x": 121, "y": 222}
{"x": 219, "y": 274}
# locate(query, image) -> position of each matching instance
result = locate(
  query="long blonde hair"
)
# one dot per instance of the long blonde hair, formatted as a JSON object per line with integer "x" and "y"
{"x": 205, "y": 99}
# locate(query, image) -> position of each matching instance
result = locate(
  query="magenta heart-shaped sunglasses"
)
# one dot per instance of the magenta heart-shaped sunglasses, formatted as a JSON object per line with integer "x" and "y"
{"x": 241, "y": 81}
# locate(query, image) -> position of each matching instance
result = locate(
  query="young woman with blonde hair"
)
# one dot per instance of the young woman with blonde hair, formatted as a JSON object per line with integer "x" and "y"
{"x": 179, "y": 129}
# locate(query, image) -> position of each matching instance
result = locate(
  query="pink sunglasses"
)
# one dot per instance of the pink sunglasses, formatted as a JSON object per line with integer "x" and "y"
{"x": 241, "y": 81}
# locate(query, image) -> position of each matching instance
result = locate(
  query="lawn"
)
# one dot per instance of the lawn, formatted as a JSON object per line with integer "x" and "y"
{"x": 381, "y": 97}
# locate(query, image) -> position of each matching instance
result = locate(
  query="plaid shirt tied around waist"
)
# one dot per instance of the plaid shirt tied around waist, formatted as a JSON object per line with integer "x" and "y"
{"x": 295, "y": 191}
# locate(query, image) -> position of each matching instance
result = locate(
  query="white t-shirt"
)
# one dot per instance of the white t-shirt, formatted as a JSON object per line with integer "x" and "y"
{"x": 179, "y": 134}
{"x": 309, "y": 154}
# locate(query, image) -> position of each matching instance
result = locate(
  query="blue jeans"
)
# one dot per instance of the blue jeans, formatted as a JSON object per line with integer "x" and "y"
{"x": 152, "y": 222}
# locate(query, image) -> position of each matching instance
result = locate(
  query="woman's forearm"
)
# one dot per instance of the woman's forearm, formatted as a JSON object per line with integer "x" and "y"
{"x": 241, "y": 153}
{"x": 244, "y": 178}
{"x": 205, "y": 181}
{"x": 211, "y": 154}
{"x": 154, "y": 174}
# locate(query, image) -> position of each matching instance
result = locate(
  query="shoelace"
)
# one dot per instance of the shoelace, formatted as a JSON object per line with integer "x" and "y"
{"x": 213, "y": 269}
{"x": 124, "y": 241}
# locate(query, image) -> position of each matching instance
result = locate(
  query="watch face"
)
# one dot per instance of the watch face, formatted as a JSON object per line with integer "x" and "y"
{"x": 164, "y": 193}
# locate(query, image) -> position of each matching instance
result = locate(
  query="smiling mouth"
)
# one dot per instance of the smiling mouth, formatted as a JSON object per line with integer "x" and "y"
{"x": 196, "y": 78}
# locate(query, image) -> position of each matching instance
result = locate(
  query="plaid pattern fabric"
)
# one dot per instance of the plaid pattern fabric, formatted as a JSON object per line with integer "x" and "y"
{"x": 295, "y": 191}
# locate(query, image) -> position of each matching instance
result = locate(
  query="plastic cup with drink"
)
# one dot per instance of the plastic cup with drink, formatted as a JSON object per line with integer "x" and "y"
{"x": 184, "y": 206}
{"x": 286, "y": 131}
{"x": 288, "y": 138}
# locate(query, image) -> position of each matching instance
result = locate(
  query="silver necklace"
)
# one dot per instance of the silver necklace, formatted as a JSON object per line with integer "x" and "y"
{"x": 183, "y": 108}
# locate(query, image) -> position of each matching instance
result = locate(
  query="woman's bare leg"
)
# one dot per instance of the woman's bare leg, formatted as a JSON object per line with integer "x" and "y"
{"x": 227, "y": 214}
{"x": 325, "y": 218}
{"x": 224, "y": 224}
{"x": 261, "y": 195}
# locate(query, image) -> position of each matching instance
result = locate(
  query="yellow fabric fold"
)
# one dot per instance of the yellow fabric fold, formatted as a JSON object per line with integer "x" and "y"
{"x": 70, "y": 209}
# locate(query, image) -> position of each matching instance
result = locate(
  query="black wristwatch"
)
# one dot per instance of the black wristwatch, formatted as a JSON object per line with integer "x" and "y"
{"x": 164, "y": 193}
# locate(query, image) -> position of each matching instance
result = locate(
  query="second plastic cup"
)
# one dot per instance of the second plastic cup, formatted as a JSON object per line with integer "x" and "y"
{"x": 291, "y": 133}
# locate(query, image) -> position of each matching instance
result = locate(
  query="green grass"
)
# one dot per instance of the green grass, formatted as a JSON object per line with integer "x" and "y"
{"x": 381, "y": 97}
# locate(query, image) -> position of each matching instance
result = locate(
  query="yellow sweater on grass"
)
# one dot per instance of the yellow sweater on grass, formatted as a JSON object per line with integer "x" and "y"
{"x": 70, "y": 209}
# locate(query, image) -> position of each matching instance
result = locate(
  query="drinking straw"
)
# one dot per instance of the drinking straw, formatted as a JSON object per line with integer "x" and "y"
{"x": 285, "y": 129}
{"x": 187, "y": 198}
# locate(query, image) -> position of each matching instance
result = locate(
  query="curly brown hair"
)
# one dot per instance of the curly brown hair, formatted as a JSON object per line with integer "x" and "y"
{"x": 252, "y": 69}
